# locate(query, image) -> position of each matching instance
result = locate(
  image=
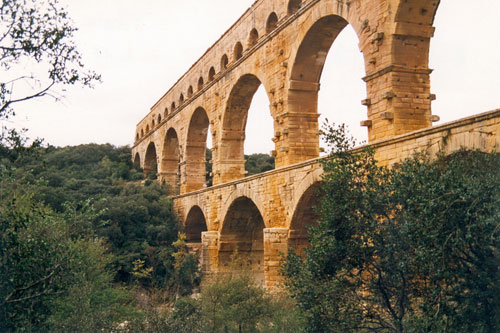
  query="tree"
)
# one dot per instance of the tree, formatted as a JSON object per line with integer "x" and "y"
{"x": 415, "y": 248}
{"x": 37, "y": 36}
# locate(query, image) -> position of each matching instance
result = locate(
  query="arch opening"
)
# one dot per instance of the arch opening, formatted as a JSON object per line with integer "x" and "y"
{"x": 211, "y": 74}
{"x": 159, "y": 119}
{"x": 194, "y": 226}
{"x": 200, "y": 83}
{"x": 136, "y": 136}
{"x": 165, "y": 112}
{"x": 181, "y": 99}
{"x": 170, "y": 162}
{"x": 151, "y": 162}
{"x": 137, "y": 161}
{"x": 253, "y": 37}
{"x": 294, "y": 6}
{"x": 172, "y": 107}
{"x": 243, "y": 231}
{"x": 196, "y": 168}
{"x": 272, "y": 22}
{"x": 190, "y": 92}
{"x": 223, "y": 62}
{"x": 147, "y": 129}
{"x": 234, "y": 126}
{"x": 305, "y": 80}
{"x": 238, "y": 51}
{"x": 304, "y": 216}
{"x": 142, "y": 133}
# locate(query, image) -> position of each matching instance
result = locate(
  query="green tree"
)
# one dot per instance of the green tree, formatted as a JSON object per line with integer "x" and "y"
{"x": 409, "y": 249}
{"x": 37, "y": 37}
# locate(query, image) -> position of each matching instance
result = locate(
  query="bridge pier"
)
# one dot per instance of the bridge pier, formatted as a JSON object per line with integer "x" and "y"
{"x": 209, "y": 254}
{"x": 275, "y": 246}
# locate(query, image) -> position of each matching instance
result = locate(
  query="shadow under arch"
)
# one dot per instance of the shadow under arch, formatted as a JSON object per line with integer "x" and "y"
{"x": 196, "y": 145}
{"x": 243, "y": 232}
{"x": 305, "y": 79}
{"x": 305, "y": 215}
{"x": 194, "y": 225}
{"x": 231, "y": 157}
{"x": 137, "y": 161}
{"x": 151, "y": 160}
{"x": 169, "y": 169}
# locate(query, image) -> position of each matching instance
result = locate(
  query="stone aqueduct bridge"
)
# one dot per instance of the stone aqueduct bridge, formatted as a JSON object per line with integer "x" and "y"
{"x": 283, "y": 44}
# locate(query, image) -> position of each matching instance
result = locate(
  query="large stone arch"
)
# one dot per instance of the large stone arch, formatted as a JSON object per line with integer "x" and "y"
{"x": 170, "y": 159}
{"x": 242, "y": 232}
{"x": 151, "y": 159}
{"x": 230, "y": 152}
{"x": 304, "y": 215}
{"x": 196, "y": 144}
{"x": 307, "y": 62}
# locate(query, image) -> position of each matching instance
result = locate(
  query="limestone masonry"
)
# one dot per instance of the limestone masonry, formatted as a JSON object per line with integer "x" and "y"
{"x": 283, "y": 44}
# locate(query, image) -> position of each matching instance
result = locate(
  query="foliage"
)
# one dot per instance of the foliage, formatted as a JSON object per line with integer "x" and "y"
{"x": 52, "y": 275}
{"x": 232, "y": 303}
{"x": 409, "y": 249}
{"x": 186, "y": 270}
{"x": 37, "y": 38}
{"x": 257, "y": 163}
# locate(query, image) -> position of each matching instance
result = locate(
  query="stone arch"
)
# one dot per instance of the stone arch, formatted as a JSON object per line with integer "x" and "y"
{"x": 223, "y": 62}
{"x": 253, "y": 37}
{"x": 237, "y": 51}
{"x": 305, "y": 75}
{"x": 159, "y": 119}
{"x": 243, "y": 231}
{"x": 196, "y": 144}
{"x": 165, "y": 112}
{"x": 142, "y": 133}
{"x": 147, "y": 129}
{"x": 194, "y": 225}
{"x": 200, "y": 83}
{"x": 211, "y": 74}
{"x": 294, "y": 6}
{"x": 151, "y": 159}
{"x": 137, "y": 160}
{"x": 137, "y": 136}
{"x": 272, "y": 22}
{"x": 172, "y": 107}
{"x": 169, "y": 171}
{"x": 153, "y": 123}
{"x": 303, "y": 216}
{"x": 231, "y": 150}
{"x": 190, "y": 92}
{"x": 181, "y": 99}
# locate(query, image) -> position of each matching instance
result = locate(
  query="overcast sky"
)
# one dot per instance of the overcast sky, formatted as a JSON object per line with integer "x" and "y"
{"x": 141, "y": 48}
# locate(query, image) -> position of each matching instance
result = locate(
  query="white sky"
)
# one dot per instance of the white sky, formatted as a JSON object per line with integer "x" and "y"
{"x": 141, "y": 48}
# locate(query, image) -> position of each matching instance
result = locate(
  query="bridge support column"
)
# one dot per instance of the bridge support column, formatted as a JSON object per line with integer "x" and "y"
{"x": 275, "y": 245}
{"x": 209, "y": 253}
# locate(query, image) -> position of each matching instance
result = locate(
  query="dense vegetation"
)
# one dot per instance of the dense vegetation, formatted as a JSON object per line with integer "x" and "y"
{"x": 415, "y": 248}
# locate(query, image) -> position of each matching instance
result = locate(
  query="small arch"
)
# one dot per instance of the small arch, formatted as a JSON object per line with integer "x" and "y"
{"x": 195, "y": 224}
{"x": 147, "y": 129}
{"x": 223, "y": 62}
{"x": 211, "y": 74}
{"x": 190, "y": 91}
{"x": 181, "y": 99}
{"x": 165, "y": 112}
{"x": 137, "y": 161}
{"x": 172, "y": 107}
{"x": 137, "y": 137}
{"x": 272, "y": 22}
{"x": 159, "y": 119}
{"x": 151, "y": 161}
{"x": 294, "y": 6}
{"x": 200, "y": 83}
{"x": 153, "y": 123}
{"x": 238, "y": 51}
{"x": 142, "y": 133}
{"x": 253, "y": 37}
{"x": 243, "y": 231}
